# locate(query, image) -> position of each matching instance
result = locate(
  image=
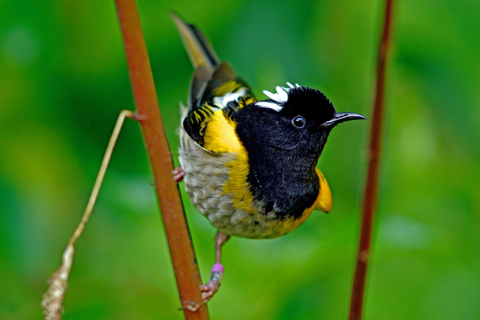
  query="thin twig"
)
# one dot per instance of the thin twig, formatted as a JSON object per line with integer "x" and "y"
{"x": 101, "y": 174}
{"x": 178, "y": 236}
{"x": 371, "y": 187}
{"x": 53, "y": 299}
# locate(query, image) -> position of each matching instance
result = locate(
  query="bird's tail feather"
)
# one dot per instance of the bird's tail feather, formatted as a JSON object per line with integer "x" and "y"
{"x": 198, "y": 47}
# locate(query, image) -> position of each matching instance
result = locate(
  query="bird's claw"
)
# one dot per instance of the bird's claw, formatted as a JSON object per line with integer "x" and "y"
{"x": 209, "y": 289}
{"x": 178, "y": 174}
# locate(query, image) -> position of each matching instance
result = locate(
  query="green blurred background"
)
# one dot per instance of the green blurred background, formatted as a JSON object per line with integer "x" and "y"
{"x": 63, "y": 81}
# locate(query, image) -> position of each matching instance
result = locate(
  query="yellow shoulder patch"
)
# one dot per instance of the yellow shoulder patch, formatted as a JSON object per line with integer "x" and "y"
{"x": 324, "y": 199}
{"x": 220, "y": 134}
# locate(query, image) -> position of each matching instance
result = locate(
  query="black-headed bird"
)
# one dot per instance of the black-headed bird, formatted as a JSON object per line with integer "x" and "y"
{"x": 249, "y": 165}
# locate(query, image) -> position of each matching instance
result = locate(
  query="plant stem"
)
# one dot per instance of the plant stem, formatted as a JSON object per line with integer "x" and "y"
{"x": 371, "y": 187}
{"x": 178, "y": 236}
{"x": 52, "y": 301}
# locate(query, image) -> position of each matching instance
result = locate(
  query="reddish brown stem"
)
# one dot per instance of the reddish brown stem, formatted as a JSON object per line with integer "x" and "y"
{"x": 179, "y": 242}
{"x": 371, "y": 187}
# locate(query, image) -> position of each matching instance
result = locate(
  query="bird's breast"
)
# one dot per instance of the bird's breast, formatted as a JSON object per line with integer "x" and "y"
{"x": 218, "y": 187}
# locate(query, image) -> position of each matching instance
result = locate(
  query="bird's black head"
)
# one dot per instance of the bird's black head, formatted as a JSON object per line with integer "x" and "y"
{"x": 284, "y": 137}
{"x": 295, "y": 119}
{"x": 312, "y": 105}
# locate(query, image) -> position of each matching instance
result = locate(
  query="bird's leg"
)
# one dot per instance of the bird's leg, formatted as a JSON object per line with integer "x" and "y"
{"x": 211, "y": 287}
{"x": 178, "y": 174}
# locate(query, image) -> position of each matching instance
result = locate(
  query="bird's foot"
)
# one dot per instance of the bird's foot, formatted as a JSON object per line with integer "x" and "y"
{"x": 178, "y": 174}
{"x": 209, "y": 289}
{"x": 212, "y": 286}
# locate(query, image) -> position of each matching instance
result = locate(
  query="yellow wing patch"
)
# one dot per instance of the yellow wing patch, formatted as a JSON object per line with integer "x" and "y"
{"x": 324, "y": 199}
{"x": 227, "y": 87}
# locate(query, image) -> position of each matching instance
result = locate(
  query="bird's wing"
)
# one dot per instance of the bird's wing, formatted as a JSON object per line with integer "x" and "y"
{"x": 204, "y": 86}
{"x": 212, "y": 125}
{"x": 215, "y": 94}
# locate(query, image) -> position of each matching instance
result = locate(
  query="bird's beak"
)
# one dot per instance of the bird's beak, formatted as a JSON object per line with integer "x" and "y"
{"x": 342, "y": 117}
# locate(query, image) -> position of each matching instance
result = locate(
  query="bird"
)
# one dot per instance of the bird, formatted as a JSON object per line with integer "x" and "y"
{"x": 249, "y": 165}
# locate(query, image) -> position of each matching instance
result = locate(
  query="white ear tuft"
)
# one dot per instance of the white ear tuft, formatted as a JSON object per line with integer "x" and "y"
{"x": 269, "y": 105}
{"x": 282, "y": 93}
{"x": 280, "y": 97}
{"x": 269, "y": 94}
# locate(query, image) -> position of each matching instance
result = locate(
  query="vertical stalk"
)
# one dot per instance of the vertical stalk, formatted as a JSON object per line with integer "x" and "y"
{"x": 145, "y": 96}
{"x": 371, "y": 187}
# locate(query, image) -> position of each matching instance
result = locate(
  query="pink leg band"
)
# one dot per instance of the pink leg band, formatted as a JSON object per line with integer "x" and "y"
{"x": 218, "y": 267}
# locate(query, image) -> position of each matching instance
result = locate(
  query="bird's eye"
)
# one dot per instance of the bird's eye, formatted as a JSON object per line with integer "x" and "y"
{"x": 299, "y": 121}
